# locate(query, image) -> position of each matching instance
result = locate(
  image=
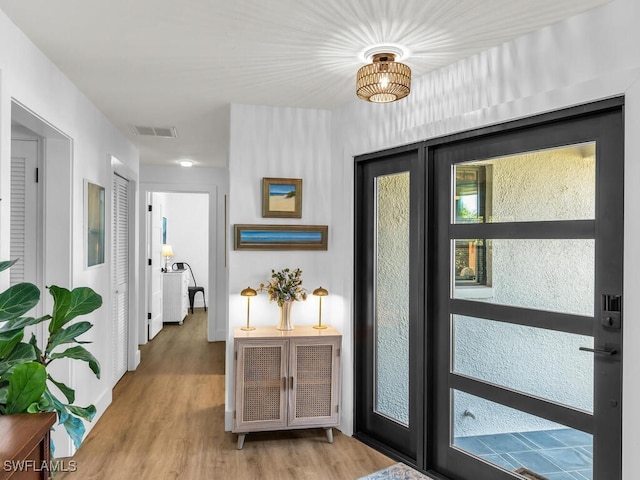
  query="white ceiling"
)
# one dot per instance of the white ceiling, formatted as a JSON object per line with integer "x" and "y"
{"x": 170, "y": 63}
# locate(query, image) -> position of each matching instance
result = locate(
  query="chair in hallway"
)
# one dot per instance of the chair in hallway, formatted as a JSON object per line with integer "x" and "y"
{"x": 192, "y": 290}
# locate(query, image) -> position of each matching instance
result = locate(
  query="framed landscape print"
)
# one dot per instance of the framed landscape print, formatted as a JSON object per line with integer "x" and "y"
{"x": 281, "y": 237}
{"x": 282, "y": 197}
{"x": 94, "y": 208}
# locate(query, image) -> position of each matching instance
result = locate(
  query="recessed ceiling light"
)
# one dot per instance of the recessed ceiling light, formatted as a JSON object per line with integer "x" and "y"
{"x": 186, "y": 163}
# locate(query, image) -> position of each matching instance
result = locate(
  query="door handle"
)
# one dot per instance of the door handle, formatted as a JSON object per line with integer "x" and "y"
{"x": 599, "y": 351}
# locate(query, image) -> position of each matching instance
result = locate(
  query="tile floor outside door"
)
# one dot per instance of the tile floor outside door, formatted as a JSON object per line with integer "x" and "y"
{"x": 563, "y": 454}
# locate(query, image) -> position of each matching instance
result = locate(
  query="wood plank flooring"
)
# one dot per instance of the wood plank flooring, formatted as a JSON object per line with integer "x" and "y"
{"x": 167, "y": 422}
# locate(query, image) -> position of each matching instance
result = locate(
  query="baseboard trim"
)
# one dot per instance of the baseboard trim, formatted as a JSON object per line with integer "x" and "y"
{"x": 101, "y": 406}
{"x": 228, "y": 420}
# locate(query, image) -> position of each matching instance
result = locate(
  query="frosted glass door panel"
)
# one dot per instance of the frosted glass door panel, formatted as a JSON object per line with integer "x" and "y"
{"x": 512, "y": 440}
{"x": 392, "y": 297}
{"x": 553, "y": 184}
{"x": 551, "y": 275}
{"x": 544, "y": 363}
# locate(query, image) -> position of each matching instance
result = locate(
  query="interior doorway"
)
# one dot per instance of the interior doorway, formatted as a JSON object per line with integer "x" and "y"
{"x": 52, "y": 248}
{"x": 519, "y": 342}
{"x": 179, "y": 220}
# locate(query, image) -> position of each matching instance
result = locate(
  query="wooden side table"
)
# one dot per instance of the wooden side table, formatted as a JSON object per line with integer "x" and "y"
{"x": 25, "y": 446}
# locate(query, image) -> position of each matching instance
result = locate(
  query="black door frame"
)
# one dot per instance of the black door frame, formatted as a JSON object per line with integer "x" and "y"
{"x": 400, "y": 442}
{"x": 425, "y": 382}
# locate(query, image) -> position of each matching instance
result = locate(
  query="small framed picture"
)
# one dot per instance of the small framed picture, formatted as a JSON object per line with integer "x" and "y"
{"x": 282, "y": 197}
{"x": 94, "y": 235}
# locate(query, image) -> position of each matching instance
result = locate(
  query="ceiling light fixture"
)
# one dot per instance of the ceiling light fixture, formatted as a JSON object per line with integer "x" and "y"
{"x": 186, "y": 163}
{"x": 383, "y": 80}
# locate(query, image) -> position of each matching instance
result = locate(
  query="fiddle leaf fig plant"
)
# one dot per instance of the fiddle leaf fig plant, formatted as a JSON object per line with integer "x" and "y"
{"x": 25, "y": 384}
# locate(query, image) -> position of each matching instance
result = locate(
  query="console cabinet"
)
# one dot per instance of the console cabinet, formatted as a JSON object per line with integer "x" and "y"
{"x": 286, "y": 380}
{"x": 175, "y": 296}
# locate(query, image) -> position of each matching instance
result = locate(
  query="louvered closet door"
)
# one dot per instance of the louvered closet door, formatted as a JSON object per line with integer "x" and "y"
{"x": 24, "y": 215}
{"x": 26, "y": 223}
{"x": 120, "y": 264}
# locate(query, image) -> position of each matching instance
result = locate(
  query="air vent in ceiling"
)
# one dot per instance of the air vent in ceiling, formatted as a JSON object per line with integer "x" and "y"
{"x": 165, "y": 132}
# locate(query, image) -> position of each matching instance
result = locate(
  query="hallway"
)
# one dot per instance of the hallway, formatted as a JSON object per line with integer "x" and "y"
{"x": 167, "y": 421}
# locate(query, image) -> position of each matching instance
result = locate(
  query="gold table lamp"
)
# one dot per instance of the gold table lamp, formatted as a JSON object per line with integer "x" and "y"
{"x": 320, "y": 292}
{"x": 248, "y": 292}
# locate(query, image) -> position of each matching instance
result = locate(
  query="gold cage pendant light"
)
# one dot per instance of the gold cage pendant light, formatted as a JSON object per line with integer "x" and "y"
{"x": 384, "y": 80}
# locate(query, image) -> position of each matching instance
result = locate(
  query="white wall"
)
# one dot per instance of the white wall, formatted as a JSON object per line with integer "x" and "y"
{"x": 283, "y": 143}
{"x": 188, "y": 234}
{"x": 213, "y": 182}
{"x": 30, "y": 79}
{"x": 588, "y": 57}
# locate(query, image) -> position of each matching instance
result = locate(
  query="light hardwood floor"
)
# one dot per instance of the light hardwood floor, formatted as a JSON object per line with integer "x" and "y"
{"x": 167, "y": 422}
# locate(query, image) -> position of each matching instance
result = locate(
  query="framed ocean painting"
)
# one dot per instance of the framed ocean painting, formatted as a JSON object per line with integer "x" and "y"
{"x": 282, "y": 197}
{"x": 94, "y": 204}
{"x": 281, "y": 237}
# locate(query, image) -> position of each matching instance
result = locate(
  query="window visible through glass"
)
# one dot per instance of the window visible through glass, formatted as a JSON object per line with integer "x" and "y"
{"x": 471, "y": 207}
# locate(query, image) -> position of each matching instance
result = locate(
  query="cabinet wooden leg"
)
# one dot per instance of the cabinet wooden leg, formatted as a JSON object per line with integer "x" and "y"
{"x": 241, "y": 440}
{"x": 329, "y": 432}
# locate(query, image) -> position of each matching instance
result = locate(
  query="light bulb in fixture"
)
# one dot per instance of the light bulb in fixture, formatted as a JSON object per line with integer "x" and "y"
{"x": 186, "y": 163}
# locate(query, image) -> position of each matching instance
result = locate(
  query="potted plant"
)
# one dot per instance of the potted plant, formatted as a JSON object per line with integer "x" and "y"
{"x": 25, "y": 384}
{"x": 284, "y": 288}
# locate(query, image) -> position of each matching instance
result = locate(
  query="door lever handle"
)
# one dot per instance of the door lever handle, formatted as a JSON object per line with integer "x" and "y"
{"x": 599, "y": 351}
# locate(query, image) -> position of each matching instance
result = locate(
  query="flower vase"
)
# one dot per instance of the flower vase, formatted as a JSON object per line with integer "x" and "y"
{"x": 285, "y": 316}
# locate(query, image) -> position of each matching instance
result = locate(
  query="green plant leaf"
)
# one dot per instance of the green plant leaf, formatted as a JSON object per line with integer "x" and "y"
{"x": 26, "y": 386}
{"x": 80, "y": 353}
{"x": 21, "y": 353}
{"x": 3, "y": 396}
{"x": 8, "y": 340}
{"x": 67, "y": 335}
{"x": 21, "y": 322}
{"x": 87, "y": 412}
{"x": 56, "y": 405}
{"x": 33, "y": 341}
{"x": 61, "y": 301}
{"x": 44, "y": 404}
{"x": 6, "y": 264}
{"x": 75, "y": 429}
{"x": 69, "y": 304}
{"x": 18, "y": 300}
{"x": 69, "y": 393}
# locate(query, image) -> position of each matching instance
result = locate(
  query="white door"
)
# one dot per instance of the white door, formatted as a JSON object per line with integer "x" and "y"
{"x": 24, "y": 210}
{"x": 120, "y": 275}
{"x": 155, "y": 254}
{"x": 26, "y": 220}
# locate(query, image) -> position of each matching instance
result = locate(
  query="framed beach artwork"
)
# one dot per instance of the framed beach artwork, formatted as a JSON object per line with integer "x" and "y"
{"x": 281, "y": 237}
{"x": 94, "y": 211}
{"x": 164, "y": 230}
{"x": 282, "y": 197}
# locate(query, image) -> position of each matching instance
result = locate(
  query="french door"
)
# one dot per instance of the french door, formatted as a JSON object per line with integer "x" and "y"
{"x": 389, "y": 256}
{"x": 517, "y": 323}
